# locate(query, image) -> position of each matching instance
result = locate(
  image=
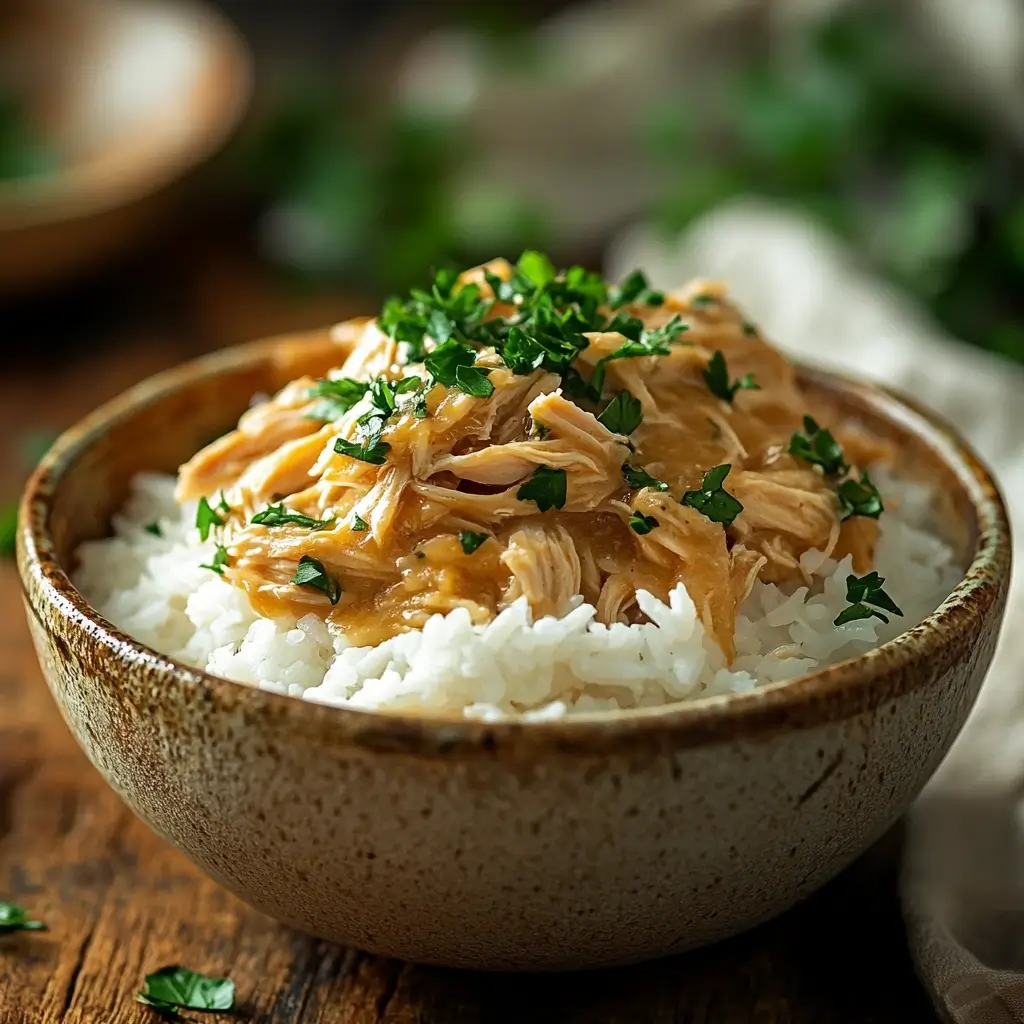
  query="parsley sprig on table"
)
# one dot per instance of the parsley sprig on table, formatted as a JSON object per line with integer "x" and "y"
{"x": 175, "y": 988}
{"x": 16, "y": 919}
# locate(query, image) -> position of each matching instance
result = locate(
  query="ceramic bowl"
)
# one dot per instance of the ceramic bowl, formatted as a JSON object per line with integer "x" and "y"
{"x": 128, "y": 96}
{"x": 549, "y": 845}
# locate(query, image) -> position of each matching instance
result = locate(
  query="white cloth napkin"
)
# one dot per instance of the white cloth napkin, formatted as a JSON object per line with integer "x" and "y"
{"x": 963, "y": 873}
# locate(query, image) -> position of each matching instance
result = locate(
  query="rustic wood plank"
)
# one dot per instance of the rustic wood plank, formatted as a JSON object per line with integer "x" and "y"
{"x": 121, "y": 902}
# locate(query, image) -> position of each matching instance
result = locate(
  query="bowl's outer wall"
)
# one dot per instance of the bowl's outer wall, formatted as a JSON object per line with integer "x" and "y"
{"x": 511, "y": 851}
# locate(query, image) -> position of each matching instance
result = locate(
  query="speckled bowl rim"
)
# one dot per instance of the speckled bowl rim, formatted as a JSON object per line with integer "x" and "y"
{"x": 835, "y": 692}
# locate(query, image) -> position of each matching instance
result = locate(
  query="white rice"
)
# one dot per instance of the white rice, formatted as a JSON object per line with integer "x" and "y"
{"x": 154, "y": 589}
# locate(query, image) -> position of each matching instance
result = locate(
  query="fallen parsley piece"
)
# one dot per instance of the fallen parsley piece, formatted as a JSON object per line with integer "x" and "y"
{"x": 638, "y": 477}
{"x": 220, "y": 560}
{"x": 546, "y": 488}
{"x": 716, "y": 376}
{"x": 712, "y": 500}
{"x": 817, "y": 446}
{"x": 311, "y": 573}
{"x": 372, "y": 450}
{"x": 336, "y": 397}
{"x": 206, "y": 519}
{"x": 860, "y": 498}
{"x": 622, "y": 415}
{"x": 8, "y": 528}
{"x": 863, "y": 592}
{"x": 359, "y": 524}
{"x": 175, "y": 988}
{"x": 14, "y": 919}
{"x": 154, "y": 528}
{"x": 470, "y": 541}
{"x": 278, "y": 515}
{"x": 642, "y": 524}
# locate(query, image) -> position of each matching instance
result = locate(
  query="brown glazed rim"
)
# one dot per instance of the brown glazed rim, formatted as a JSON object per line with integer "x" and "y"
{"x": 836, "y": 692}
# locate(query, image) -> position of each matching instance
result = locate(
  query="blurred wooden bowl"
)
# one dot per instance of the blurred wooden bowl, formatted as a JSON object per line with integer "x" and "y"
{"x": 130, "y": 96}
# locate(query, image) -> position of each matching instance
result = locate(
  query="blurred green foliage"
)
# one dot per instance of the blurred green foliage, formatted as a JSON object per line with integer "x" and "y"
{"x": 847, "y": 126}
{"x": 370, "y": 199}
{"x": 22, "y": 153}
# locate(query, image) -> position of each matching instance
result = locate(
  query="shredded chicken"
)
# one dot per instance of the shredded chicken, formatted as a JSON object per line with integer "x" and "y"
{"x": 392, "y": 530}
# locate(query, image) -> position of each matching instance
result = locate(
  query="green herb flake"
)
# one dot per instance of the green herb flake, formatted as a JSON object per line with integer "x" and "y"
{"x": 336, "y": 398}
{"x": 175, "y": 988}
{"x": 537, "y": 267}
{"x": 712, "y": 500}
{"x": 637, "y": 478}
{"x": 8, "y": 528}
{"x": 716, "y": 376}
{"x": 622, "y": 415}
{"x": 629, "y": 291}
{"x": 521, "y": 353}
{"x": 866, "y": 596}
{"x": 546, "y": 488}
{"x": 311, "y": 573}
{"x": 220, "y": 560}
{"x": 154, "y": 528}
{"x": 817, "y": 446}
{"x": 359, "y": 524}
{"x": 470, "y": 541}
{"x": 642, "y": 524}
{"x": 472, "y": 381}
{"x": 860, "y": 498}
{"x": 639, "y": 342}
{"x": 206, "y": 519}
{"x": 278, "y": 515}
{"x": 15, "y": 919}
{"x": 372, "y": 450}
{"x": 704, "y": 300}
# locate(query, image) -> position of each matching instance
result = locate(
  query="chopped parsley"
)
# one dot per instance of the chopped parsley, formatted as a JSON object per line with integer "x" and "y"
{"x": 175, "y": 988}
{"x": 860, "y": 498}
{"x": 866, "y": 596}
{"x": 712, "y": 500}
{"x": 622, "y": 415}
{"x": 14, "y": 919}
{"x": 546, "y": 488}
{"x": 638, "y": 477}
{"x": 336, "y": 397}
{"x": 154, "y": 528}
{"x": 372, "y": 450}
{"x": 537, "y": 267}
{"x": 634, "y": 290}
{"x": 220, "y": 560}
{"x": 206, "y": 519}
{"x": 716, "y": 376}
{"x": 310, "y": 572}
{"x": 639, "y": 342}
{"x": 223, "y": 506}
{"x": 359, "y": 524}
{"x": 470, "y": 541}
{"x": 642, "y": 524}
{"x": 704, "y": 300}
{"x": 278, "y": 515}
{"x": 817, "y": 446}
{"x": 452, "y": 365}
{"x": 384, "y": 393}
{"x": 8, "y": 528}
{"x": 522, "y": 354}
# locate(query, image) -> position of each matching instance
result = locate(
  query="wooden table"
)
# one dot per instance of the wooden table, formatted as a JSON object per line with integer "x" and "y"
{"x": 120, "y": 902}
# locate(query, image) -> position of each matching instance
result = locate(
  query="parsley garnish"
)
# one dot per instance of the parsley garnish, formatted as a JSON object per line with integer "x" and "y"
{"x": 470, "y": 541}
{"x": 336, "y": 397}
{"x": 14, "y": 919}
{"x": 223, "y": 506}
{"x": 278, "y": 515}
{"x": 452, "y": 365}
{"x": 546, "y": 488}
{"x": 622, "y": 415}
{"x": 537, "y": 267}
{"x": 372, "y": 450}
{"x": 716, "y": 376}
{"x": 220, "y": 560}
{"x": 860, "y": 499}
{"x": 634, "y": 290}
{"x": 311, "y": 573}
{"x": 817, "y": 446}
{"x": 206, "y": 519}
{"x": 638, "y": 477}
{"x": 175, "y": 988}
{"x": 359, "y": 524}
{"x": 522, "y": 354}
{"x": 154, "y": 528}
{"x": 642, "y": 524}
{"x": 639, "y": 342}
{"x": 703, "y": 300}
{"x": 712, "y": 500}
{"x": 861, "y": 593}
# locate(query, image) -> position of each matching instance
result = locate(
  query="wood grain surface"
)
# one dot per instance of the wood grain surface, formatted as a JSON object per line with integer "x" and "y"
{"x": 120, "y": 902}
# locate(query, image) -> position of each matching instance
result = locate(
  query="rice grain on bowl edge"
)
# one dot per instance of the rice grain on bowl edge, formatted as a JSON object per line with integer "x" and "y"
{"x": 155, "y": 588}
